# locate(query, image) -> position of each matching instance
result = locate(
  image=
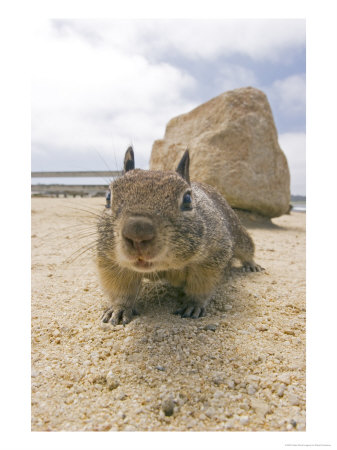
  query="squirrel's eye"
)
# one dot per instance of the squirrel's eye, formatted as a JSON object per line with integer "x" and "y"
{"x": 187, "y": 202}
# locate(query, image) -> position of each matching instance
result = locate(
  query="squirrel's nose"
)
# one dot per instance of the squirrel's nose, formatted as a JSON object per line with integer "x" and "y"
{"x": 138, "y": 230}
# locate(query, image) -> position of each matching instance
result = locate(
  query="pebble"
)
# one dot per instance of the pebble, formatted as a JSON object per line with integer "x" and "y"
{"x": 168, "y": 406}
{"x": 99, "y": 379}
{"x": 293, "y": 423}
{"x": 229, "y": 424}
{"x": 218, "y": 380}
{"x": 252, "y": 378}
{"x": 210, "y": 412}
{"x": 231, "y": 384}
{"x": 218, "y": 394}
{"x": 122, "y": 396}
{"x": 244, "y": 406}
{"x": 161, "y": 368}
{"x": 260, "y": 406}
{"x": 293, "y": 400}
{"x": 262, "y": 327}
{"x": 111, "y": 381}
{"x": 244, "y": 420}
{"x": 284, "y": 378}
{"x": 281, "y": 390}
{"x": 251, "y": 389}
{"x": 210, "y": 327}
{"x": 228, "y": 307}
{"x": 290, "y": 332}
{"x": 105, "y": 326}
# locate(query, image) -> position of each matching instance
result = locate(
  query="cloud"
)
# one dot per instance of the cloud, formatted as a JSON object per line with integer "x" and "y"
{"x": 265, "y": 39}
{"x": 289, "y": 94}
{"x": 86, "y": 97}
{"x": 293, "y": 145}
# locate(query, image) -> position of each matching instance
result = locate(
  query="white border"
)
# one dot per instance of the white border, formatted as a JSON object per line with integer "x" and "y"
{"x": 321, "y": 262}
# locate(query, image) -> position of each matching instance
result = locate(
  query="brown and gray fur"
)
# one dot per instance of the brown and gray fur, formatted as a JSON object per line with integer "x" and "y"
{"x": 160, "y": 224}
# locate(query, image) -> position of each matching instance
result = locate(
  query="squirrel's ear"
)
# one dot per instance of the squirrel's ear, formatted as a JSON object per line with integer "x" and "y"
{"x": 184, "y": 167}
{"x": 129, "y": 160}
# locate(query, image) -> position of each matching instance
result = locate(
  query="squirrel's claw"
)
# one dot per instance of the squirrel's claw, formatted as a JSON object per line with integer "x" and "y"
{"x": 251, "y": 266}
{"x": 118, "y": 316}
{"x": 191, "y": 311}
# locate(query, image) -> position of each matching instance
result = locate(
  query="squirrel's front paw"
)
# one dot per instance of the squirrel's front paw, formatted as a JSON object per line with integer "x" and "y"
{"x": 191, "y": 310}
{"x": 118, "y": 315}
{"x": 251, "y": 266}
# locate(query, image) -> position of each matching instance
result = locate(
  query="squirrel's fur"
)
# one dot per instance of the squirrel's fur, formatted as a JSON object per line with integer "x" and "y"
{"x": 161, "y": 223}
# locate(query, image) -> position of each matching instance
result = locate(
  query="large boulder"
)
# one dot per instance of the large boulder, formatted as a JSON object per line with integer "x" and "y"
{"x": 233, "y": 146}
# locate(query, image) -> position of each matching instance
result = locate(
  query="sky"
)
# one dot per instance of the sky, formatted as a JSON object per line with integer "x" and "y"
{"x": 101, "y": 85}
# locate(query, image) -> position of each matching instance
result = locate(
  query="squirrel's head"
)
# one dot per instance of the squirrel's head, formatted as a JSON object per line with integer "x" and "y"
{"x": 154, "y": 217}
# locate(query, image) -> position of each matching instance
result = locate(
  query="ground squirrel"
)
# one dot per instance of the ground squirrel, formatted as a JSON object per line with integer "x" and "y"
{"x": 161, "y": 223}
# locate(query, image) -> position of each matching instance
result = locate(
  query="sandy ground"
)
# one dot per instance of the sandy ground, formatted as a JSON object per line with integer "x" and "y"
{"x": 240, "y": 368}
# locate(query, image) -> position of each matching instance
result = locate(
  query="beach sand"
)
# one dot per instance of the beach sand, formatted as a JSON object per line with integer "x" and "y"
{"x": 240, "y": 368}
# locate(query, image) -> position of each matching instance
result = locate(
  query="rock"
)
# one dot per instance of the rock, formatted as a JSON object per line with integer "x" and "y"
{"x": 234, "y": 147}
{"x": 231, "y": 384}
{"x": 281, "y": 389}
{"x": 122, "y": 396}
{"x": 218, "y": 394}
{"x": 244, "y": 406}
{"x": 251, "y": 389}
{"x": 99, "y": 379}
{"x": 284, "y": 378}
{"x": 293, "y": 400}
{"x": 111, "y": 381}
{"x": 253, "y": 378}
{"x": 293, "y": 423}
{"x": 218, "y": 380}
{"x": 244, "y": 420}
{"x": 168, "y": 406}
{"x": 290, "y": 332}
{"x": 210, "y": 327}
{"x": 229, "y": 424}
{"x": 260, "y": 406}
{"x": 105, "y": 326}
{"x": 210, "y": 412}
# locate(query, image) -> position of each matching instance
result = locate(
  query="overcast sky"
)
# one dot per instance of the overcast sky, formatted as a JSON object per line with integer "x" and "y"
{"x": 100, "y": 85}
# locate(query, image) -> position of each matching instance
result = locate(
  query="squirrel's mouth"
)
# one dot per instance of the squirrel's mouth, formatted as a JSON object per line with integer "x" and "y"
{"x": 142, "y": 264}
